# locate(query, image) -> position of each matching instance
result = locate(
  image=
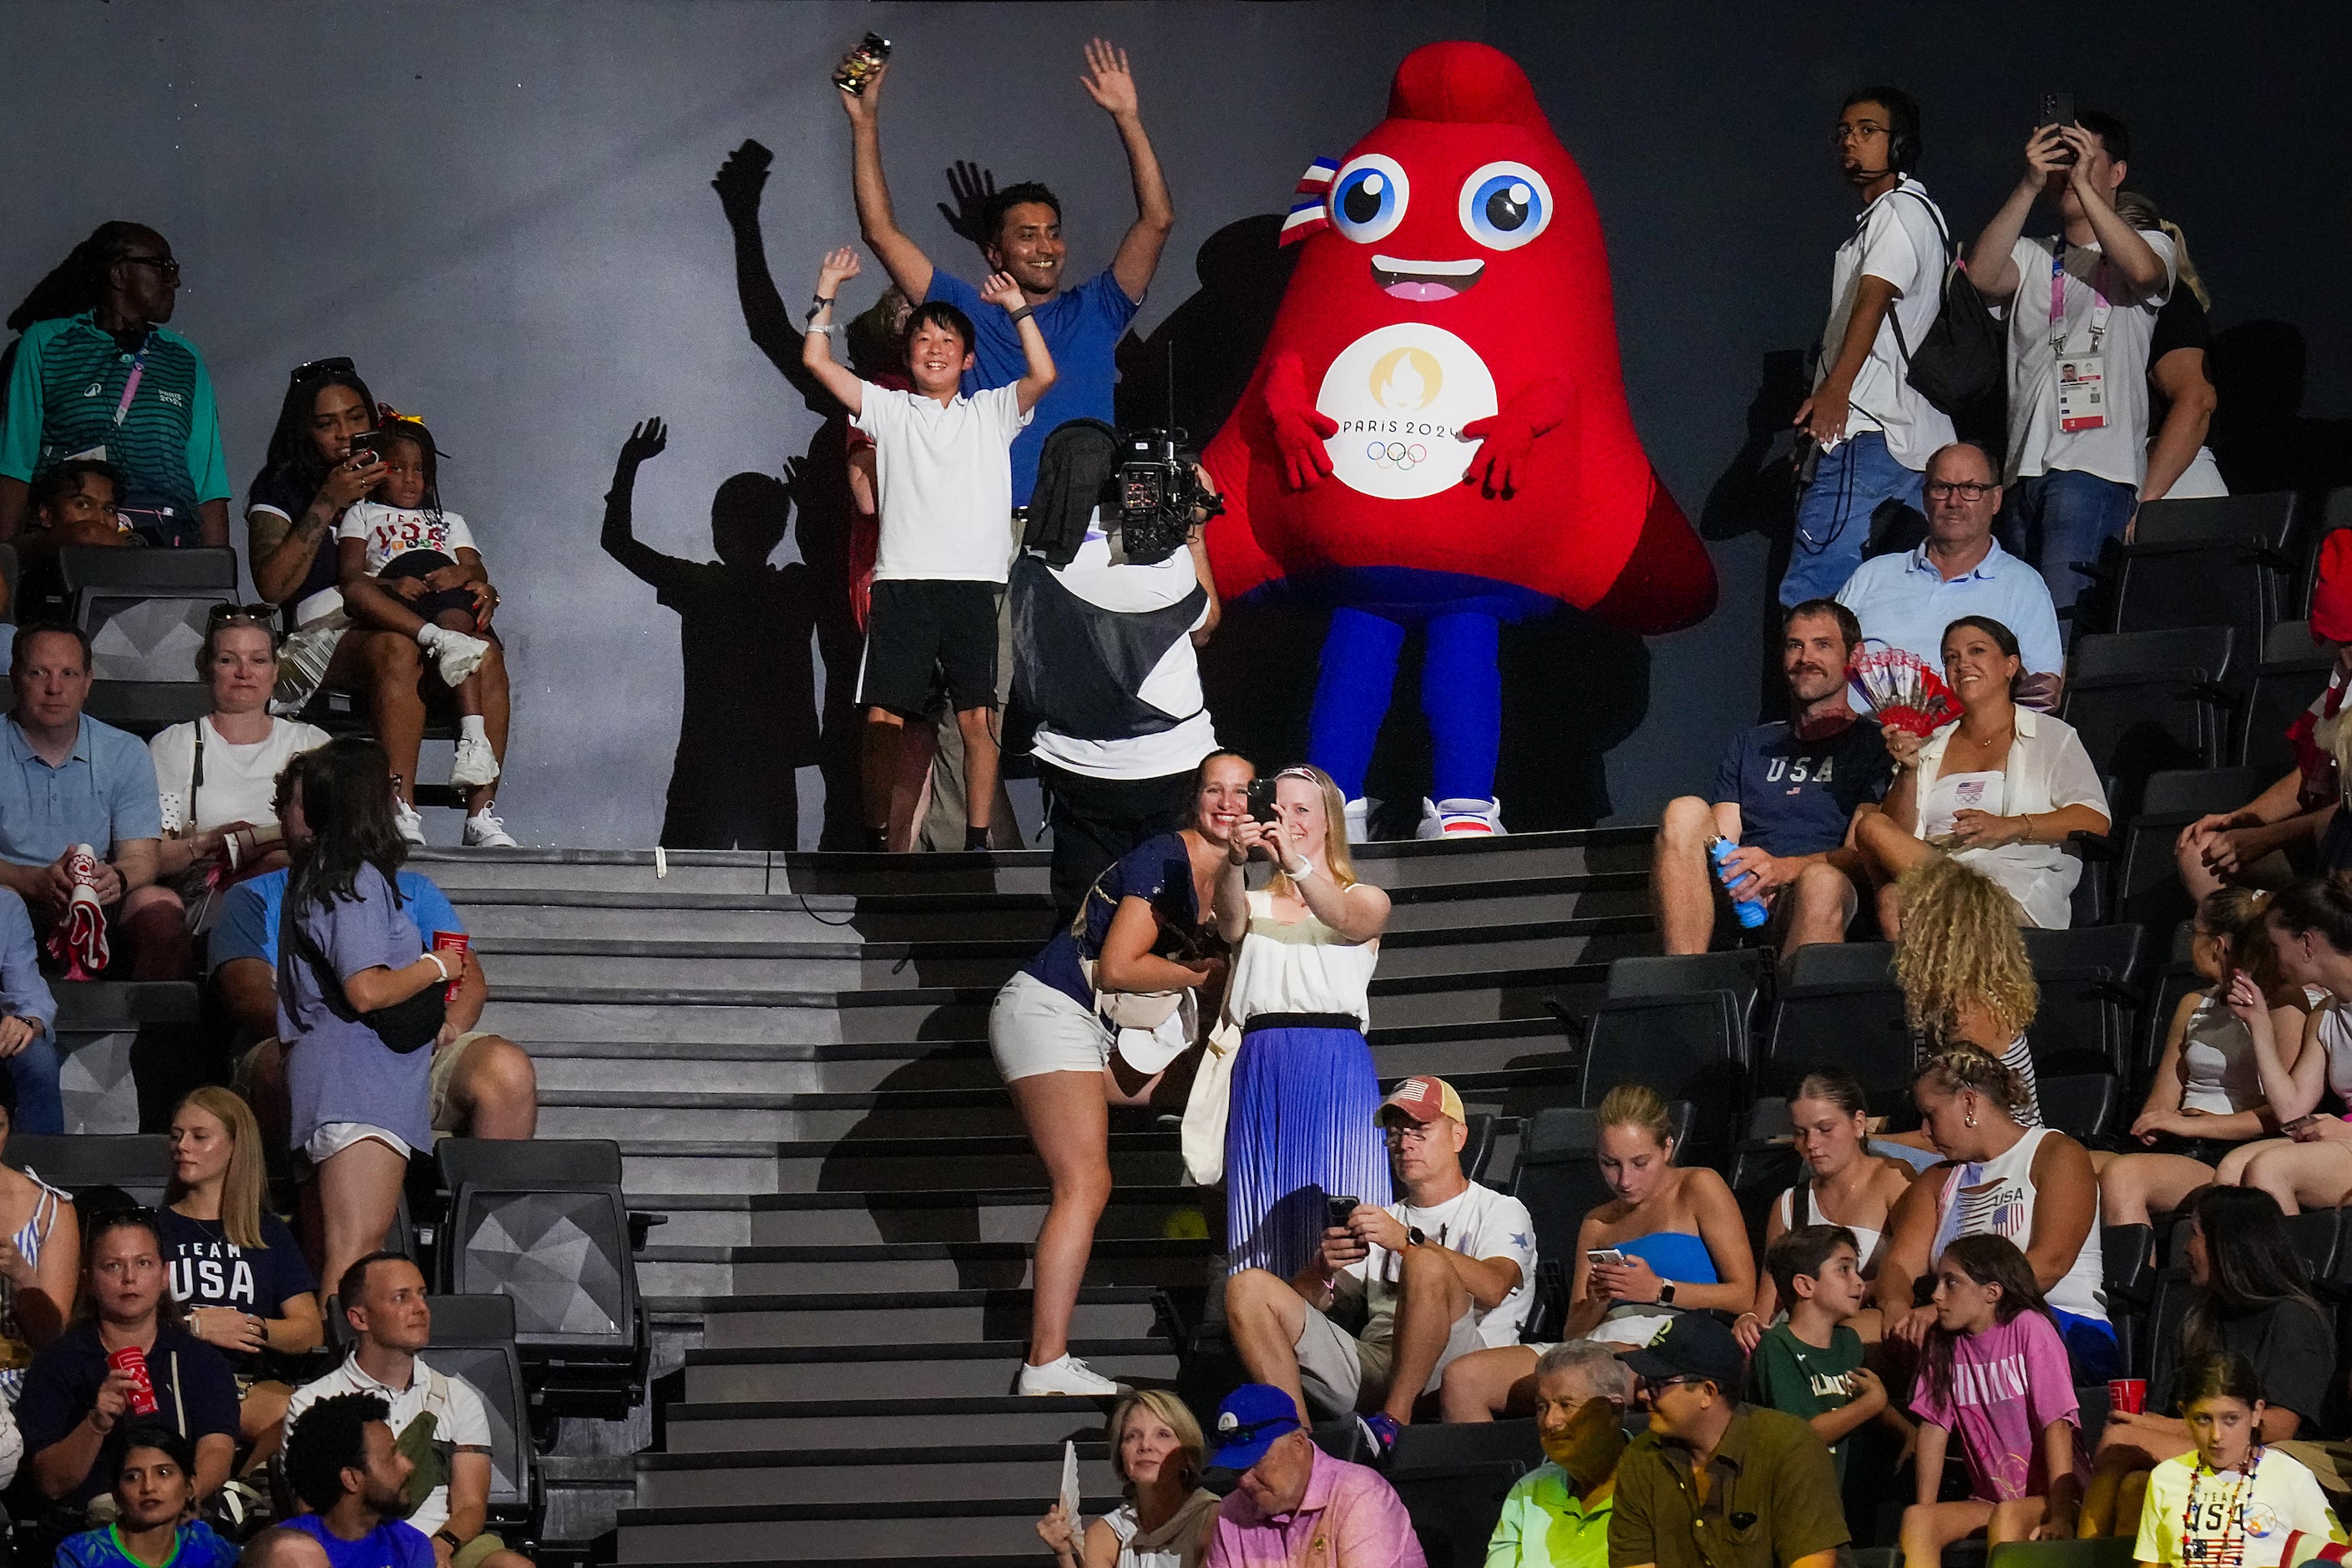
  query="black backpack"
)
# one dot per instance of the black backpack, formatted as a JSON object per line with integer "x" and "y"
{"x": 1961, "y": 364}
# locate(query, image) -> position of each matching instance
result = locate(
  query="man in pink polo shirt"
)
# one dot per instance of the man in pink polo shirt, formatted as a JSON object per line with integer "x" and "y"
{"x": 1294, "y": 1505}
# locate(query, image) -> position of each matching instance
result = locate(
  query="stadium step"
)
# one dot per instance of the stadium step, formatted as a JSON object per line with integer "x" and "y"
{"x": 838, "y": 1532}
{"x": 681, "y": 1481}
{"x": 905, "y": 1317}
{"x": 907, "y": 1265}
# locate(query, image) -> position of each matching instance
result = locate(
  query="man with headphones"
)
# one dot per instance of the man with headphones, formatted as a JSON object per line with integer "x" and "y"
{"x": 1874, "y": 430}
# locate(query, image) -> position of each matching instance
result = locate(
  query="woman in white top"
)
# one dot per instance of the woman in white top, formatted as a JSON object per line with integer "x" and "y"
{"x": 2206, "y": 1100}
{"x": 2309, "y": 925}
{"x": 2000, "y": 788}
{"x": 1844, "y": 1183}
{"x": 1302, "y": 1122}
{"x": 1168, "y": 1517}
{"x": 217, "y": 775}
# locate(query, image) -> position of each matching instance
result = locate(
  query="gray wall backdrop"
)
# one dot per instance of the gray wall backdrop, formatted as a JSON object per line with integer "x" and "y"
{"x": 502, "y": 211}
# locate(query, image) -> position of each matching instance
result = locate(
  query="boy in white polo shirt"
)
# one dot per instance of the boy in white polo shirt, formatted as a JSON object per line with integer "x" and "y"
{"x": 943, "y": 478}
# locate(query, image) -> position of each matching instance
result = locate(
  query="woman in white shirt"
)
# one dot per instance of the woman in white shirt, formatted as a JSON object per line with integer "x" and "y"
{"x": 217, "y": 775}
{"x": 1303, "y": 1123}
{"x": 1999, "y": 789}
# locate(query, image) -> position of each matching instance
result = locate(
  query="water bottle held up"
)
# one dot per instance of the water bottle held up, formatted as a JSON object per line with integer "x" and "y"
{"x": 1751, "y": 911}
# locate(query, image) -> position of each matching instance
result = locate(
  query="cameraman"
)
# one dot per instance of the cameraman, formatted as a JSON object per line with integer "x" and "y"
{"x": 1103, "y": 660}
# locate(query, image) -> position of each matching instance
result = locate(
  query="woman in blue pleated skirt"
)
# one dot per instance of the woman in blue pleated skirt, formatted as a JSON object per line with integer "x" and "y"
{"x": 1301, "y": 1126}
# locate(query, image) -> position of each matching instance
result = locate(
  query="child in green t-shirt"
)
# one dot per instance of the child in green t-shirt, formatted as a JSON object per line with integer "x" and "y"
{"x": 1811, "y": 1364}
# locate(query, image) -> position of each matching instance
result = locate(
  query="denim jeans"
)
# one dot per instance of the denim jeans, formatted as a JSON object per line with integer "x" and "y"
{"x": 1833, "y": 515}
{"x": 39, "y": 1107}
{"x": 2061, "y": 517}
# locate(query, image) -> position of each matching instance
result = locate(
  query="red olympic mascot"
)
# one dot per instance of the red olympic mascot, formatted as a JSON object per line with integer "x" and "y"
{"x": 1437, "y": 435}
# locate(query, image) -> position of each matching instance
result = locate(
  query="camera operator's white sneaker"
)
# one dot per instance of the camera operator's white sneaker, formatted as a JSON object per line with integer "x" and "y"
{"x": 411, "y": 826}
{"x": 1460, "y": 819}
{"x": 1360, "y": 821}
{"x": 455, "y": 655}
{"x": 477, "y": 764}
{"x": 485, "y": 830}
{"x": 1066, "y": 1374}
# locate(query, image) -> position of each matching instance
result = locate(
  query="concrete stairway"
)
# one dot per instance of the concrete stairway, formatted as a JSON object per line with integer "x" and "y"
{"x": 791, "y": 1051}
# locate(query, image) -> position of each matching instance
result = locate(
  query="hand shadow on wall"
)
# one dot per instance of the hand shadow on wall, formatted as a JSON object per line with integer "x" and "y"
{"x": 1756, "y": 493}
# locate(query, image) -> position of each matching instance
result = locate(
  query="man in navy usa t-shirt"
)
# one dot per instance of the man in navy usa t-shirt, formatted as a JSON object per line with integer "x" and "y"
{"x": 1785, "y": 793}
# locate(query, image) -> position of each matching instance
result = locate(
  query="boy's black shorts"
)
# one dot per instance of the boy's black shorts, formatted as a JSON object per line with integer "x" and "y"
{"x": 920, "y": 632}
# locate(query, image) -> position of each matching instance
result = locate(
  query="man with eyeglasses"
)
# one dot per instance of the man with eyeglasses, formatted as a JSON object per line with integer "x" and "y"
{"x": 112, "y": 384}
{"x": 1443, "y": 1271}
{"x": 1715, "y": 1483}
{"x": 1874, "y": 429}
{"x": 1905, "y": 600}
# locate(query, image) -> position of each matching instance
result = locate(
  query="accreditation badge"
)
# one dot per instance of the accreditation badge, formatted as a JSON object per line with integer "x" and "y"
{"x": 2081, "y": 393}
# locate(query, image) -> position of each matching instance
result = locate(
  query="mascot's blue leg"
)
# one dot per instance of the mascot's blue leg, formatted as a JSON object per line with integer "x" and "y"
{"x": 1351, "y": 696}
{"x": 1461, "y": 694}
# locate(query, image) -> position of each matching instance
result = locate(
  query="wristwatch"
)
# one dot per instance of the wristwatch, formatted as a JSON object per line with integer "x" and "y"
{"x": 1413, "y": 1238}
{"x": 443, "y": 1534}
{"x": 1666, "y": 1293}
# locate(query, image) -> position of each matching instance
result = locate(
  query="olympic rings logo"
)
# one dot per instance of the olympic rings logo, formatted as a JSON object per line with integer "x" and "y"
{"x": 1404, "y": 456}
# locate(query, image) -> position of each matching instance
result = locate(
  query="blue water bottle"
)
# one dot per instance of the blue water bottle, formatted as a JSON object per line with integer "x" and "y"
{"x": 1751, "y": 911}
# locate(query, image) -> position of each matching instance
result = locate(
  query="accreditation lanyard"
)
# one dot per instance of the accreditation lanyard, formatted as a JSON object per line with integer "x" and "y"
{"x": 130, "y": 381}
{"x": 2100, "y": 305}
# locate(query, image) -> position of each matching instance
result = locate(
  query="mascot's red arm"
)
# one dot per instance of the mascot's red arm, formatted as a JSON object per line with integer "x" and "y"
{"x": 1506, "y": 437}
{"x": 1300, "y": 428}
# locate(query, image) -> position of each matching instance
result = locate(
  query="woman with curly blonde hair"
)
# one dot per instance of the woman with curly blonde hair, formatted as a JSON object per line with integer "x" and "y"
{"x": 1964, "y": 972}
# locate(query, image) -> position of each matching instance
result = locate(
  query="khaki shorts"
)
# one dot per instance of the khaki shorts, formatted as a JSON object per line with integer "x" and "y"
{"x": 443, "y": 1116}
{"x": 477, "y": 1551}
{"x": 1342, "y": 1373}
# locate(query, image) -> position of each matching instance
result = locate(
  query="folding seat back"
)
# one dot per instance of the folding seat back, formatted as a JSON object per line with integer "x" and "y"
{"x": 138, "y": 1162}
{"x": 2145, "y": 701}
{"x": 1743, "y": 971}
{"x": 2293, "y": 670}
{"x": 100, "y": 1023}
{"x": 2210, "y": 561}
{"x": 1837, "y": 1006}
{"x": 474, "y": 1339}
{"x": 2083, "y": 1106}
{"x": 1689, "y": 1046}
{"x": 1455, "y": 1507}
{"x": 2089, "y": 1009}
{"x": 1559, "y": 1176}
{"x": 145, "y": 613}
{"x": 2148, "y": 888}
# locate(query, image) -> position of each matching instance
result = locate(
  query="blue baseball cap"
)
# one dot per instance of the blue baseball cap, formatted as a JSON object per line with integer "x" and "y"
{"x": 1251, "y": 1417}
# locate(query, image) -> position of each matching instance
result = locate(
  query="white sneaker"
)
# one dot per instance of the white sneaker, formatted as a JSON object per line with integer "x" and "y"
{"x": 485, "y": 830}
{"x": 477, "y": 763}
{"x": 1067, "y": 1374}
{"x": 411, "y": 826}
{"x": 455, "y": 655}
{"x": 1360, "y": 821}
{"x": 1460, "y": 819}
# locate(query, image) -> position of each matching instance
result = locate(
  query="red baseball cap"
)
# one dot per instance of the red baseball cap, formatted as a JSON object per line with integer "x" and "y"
{"x": 2331, "y": 596}
{"x": 1425, "y": 1097}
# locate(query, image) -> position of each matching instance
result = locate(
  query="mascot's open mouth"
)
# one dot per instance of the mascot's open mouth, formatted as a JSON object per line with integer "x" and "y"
{"x": 1423, "y": 282}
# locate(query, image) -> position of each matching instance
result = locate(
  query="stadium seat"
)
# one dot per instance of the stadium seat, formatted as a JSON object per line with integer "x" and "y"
{"x": 2148, "y": 890}
{"x": 2293, "y": 670}
{"x": 1743, "y": 971}
{"x": 341, "y": 713}
{"x": 2313, "y": 524}
{"x": 138, "y": 1162}
{"x": 2211, "y": 561}
{"x": 2128, "y": 1252}
{"x": 1559, "y": 1176}
{"x": 2103, "y": 1552}
{"x": 2145, "y": 701}
{"x": 474, "y": 1339}
{"x": 145, "y": 613}
{"x": 101, "y": 1026}
{"x": 1837, "y": 1006}
{"x": 1691, "y": 1047}
{"x": 2086, "y": 1107}
{"x": 2165, "y": 987}
{"x": 2089, "y": 1010}
{"x": 1454, "y": 1505}
{"x": 542, "y": 1221}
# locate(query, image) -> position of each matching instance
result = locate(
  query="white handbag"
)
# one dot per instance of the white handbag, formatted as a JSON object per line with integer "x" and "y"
{"x": 1205, "y": 1107}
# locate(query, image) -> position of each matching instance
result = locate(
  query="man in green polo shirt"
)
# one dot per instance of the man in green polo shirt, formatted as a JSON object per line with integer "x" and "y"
{"x": 1715, "y": 1483}
{"x": 1557, "y": 1515}
{"x": 114, "y": 384}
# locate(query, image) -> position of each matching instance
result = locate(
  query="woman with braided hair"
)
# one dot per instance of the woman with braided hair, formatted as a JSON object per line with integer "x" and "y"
{"x": 1999, "y": 1178}
{"x": 1964, "y": 972}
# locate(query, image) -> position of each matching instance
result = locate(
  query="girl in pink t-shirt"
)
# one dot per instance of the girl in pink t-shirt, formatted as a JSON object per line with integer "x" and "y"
{"x": 1995, "y": 1370}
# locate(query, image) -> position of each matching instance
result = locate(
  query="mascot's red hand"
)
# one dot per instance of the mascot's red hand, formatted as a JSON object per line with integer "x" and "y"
{"x": 1507, "y": 438}
{"x": 1299, "y": 428}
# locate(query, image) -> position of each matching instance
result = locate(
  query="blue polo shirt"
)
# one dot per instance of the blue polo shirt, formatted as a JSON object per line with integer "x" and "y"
{"x": 23, "y": 993}
{"x": 103, "y": 796}
{"x": 1904, "y": 602}
{"x": 1081, "y": 326}
{"x": 249, "y": 921}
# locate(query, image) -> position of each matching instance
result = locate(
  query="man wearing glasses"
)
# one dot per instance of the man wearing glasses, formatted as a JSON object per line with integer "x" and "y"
{"x": 1875, "y": 431}
{"x": 1715, "y": 1483}
{"x": 1442, "y": 1272}
{"x": 1905, "y": 600}
{"x": 113, "y": 385}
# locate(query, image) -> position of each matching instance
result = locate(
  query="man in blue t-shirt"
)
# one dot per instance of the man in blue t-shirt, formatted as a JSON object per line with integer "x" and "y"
{"x": 1021, "y": 232}
{"x": 1786, "y": 795}
{"x": 483, "y": 1085}
{"x": 344, "y": 1464}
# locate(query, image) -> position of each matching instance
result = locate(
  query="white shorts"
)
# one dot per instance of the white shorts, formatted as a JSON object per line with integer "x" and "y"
{"x": 1035, "y": 1028}
{"x": 333, "y": 1137}
{"x": 1341, "y": 1373}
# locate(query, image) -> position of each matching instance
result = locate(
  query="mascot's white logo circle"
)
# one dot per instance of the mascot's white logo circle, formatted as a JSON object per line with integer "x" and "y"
{"x": 1400, "y": 397}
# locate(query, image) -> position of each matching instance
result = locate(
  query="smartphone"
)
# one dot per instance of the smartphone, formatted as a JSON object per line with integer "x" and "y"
{"x": 370, "y": 444}
{"x": 2057, "y": 109}
{"x": 1608, "y": 1255}
{"x": 1340, "y": 1209}
{"x": 1261, "y": 800}
{"x": 856, "y": 65}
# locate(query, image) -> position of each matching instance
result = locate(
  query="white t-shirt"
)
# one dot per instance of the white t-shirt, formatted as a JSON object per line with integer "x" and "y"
{"x": 455, "y": 1410}
{"x": 1477, "y": 1222}
{"x": 240, "y": 782}
{"x": 2118, "y": 449}
{"x": 391, "y": 532}
{"x": 1896, "y": 238}
{"x": 2240, "y": 1521}
{"x": 1173, "y": 686}
{"x": 944, "y": 482}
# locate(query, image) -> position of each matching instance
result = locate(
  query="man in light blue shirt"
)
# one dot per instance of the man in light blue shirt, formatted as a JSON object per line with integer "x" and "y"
{"x": 28, "y": 1027}
{"x": 67, "y": 779}
{"x": 1906, "y": 600}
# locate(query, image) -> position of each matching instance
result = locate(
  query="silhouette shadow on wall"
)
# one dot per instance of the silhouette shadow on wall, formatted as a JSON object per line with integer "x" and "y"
{"x": 2259, "y": 437}
{"x": 1756, "y": 493}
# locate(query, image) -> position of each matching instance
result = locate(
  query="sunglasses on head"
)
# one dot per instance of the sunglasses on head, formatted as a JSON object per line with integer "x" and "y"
{"x": 262, "y": 615}
{"x": 312, "y": 370}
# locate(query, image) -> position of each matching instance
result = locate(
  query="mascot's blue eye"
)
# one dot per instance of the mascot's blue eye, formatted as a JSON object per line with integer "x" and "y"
{"x": 1368, "y": 198}
{"x": 1503, "y": 206}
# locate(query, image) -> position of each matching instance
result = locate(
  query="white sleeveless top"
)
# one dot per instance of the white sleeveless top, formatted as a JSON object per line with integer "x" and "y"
{"x": 1997, "y": 1197}
{"x": 1303, "y": 966}
{"x": 2219, "y": 1074}
{"x": 1867, "y": 1239}
{"x": 2336, "y": 1035}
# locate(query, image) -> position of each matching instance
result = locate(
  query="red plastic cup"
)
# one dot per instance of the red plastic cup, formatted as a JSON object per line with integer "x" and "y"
{"x": 130, "y": 1359}
{"x": 2126, "y": 1395}
{"x": 451, "y": 941}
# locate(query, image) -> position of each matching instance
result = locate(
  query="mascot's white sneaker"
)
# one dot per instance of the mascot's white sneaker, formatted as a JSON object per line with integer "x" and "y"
{"x": 1360, "y": 821}
{"x": 1460, "y": 819}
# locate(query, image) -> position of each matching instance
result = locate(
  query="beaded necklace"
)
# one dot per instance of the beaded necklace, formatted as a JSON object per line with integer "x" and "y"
{"x": 2226, "y": 1546}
